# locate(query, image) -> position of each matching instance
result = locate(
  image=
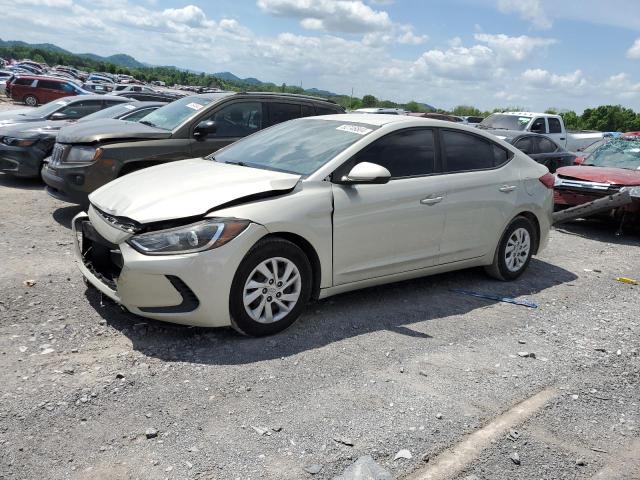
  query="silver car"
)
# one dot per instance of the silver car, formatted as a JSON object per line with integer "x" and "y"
{"x": 308, "y": 209}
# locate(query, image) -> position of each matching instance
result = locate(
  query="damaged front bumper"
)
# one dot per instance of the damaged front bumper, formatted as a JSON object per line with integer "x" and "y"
{"x": 190, "y": 289}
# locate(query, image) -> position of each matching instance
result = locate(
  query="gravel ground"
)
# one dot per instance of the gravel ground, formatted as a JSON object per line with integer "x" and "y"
{"x": 410, "y": 366}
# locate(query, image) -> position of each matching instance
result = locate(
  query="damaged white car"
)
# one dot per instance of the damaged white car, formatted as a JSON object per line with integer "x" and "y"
{"x": 307, "y": 209}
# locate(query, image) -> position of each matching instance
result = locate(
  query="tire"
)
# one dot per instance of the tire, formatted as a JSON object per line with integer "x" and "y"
{"x": 520, "y": 236}
{"x": 267, "y": 312}
{"x": 31, "y": 100}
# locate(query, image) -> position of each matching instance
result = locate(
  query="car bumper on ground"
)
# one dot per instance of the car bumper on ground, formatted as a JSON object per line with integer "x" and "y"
{"x": 190, "y": 289}
{"x": 21, "y": 161}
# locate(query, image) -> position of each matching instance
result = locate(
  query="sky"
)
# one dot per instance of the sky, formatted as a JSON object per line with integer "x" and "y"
{"x": 536, "y": 54}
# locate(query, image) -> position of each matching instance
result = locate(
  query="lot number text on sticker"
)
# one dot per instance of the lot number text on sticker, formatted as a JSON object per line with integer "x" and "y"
{"x": 354, "y": 129}
{"x": 194, "y": 106}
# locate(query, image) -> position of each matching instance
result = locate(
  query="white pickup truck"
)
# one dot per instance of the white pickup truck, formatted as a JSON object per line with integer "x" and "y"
{"x": 509, "y": 124}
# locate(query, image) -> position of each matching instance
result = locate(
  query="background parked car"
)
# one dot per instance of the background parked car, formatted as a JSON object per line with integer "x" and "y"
{"x": 100, "y": 88}
{"x": 296, "y": 212}
{"x": 439, "y": 116}
{"x": 168, "y": 96}
{"x": 88, "y": 155}
{"x": 611, "y": 166}
{"x": 24, "y": 146}
{"x": 34, "y": 90}
{"x": 543, "y": 150}
{"x": 510, "y": 124}
{"x": 126, "y": 87}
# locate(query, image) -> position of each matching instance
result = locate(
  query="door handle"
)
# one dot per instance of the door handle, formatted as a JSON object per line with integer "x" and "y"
{"x": 431, "y": 200}
{"x": 507, "y": 188}
{"x": 562, "y": 138}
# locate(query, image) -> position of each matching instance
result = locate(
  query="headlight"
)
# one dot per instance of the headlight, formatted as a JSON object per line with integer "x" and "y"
{"x": 19, "y": 142}
{"x": 205, "y": 235}
{"x": 83, "y": 154}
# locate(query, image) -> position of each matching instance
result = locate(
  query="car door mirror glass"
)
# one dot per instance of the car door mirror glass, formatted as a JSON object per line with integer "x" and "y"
{"x": 366, "y": 172}
{"x": 207, "y": 127}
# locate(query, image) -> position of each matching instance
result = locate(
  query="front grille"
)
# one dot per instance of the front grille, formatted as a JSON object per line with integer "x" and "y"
{"x": 101, "y": 257}
{"x": 58, "y": 154}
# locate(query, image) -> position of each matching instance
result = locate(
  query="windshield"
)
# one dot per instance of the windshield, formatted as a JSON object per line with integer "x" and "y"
{"x": 298, "y": 146}
{"x": 176, "y": 112}
{"x": 505, "y": 122}
{"x": 617, "y": 153}
{"x": 112, "y": 112}
{"x": 47, "y": 109}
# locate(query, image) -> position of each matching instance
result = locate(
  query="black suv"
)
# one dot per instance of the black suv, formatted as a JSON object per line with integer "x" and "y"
{"x": 88, "y": 155}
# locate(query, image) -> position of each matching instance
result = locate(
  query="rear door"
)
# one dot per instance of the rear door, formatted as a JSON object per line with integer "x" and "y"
{"x": 396, "y": 227}
{"x": 480, "y": 189}
{"x": 556, "y": 132}
{"x": 551, "y": 155}
{"x": 234, "y": 120}
{"x": 278, "y": 112}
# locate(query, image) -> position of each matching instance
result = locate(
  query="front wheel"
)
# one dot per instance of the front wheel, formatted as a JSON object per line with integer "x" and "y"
{"x": 270, "y": 288}
{"x": 31, "y": 100}
{"x": 514, "y": 250}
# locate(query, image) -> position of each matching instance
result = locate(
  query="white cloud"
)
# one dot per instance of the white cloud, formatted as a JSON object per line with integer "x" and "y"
{"x": 529, "y": 10}
{"x": 514, "y": 48}
{"x": 634, "y": 51}
{"x": 569, "y": 83}
{"x": 347, "y": 16}
{"x": 48, "y": 3}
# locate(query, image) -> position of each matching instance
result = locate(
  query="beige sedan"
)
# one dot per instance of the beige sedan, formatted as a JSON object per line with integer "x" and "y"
{"x": 308, "y": 209}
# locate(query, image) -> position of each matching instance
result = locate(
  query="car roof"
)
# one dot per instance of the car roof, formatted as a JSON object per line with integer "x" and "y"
{"x": 529, "y": 114}
{"x": 384, "y": 119}
{"x": 293, "y": 96}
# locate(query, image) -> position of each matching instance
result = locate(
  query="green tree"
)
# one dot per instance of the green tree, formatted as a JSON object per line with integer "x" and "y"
{"x": 369, "y": 101}
{"x": 571, "y": 120}
{"x": 466, "y": 111}
{"x": 610, "y": 118}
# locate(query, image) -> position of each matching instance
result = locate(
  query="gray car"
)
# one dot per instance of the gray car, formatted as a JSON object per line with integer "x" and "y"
{"x": 89, "y": 155}
{"x": 25, "y": 146}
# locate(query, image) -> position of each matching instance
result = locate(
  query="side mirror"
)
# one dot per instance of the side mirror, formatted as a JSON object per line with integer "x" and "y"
{"x": 366, "y": 172}
{"x": 58, "y": 116}
{"x": 207, "y": 127}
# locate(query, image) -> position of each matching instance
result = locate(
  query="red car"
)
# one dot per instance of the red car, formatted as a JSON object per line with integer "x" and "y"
{"x": 34, "y": 90}
{"x": 611, "y": 166}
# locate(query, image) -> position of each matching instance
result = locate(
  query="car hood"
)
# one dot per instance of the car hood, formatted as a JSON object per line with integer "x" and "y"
{"x": 109, "y": 129}
{"x": 33, "y": 129}
{"x": 187, "y": 188}
{"x": 17, "y": 116}
{"x": 614, "y": 176}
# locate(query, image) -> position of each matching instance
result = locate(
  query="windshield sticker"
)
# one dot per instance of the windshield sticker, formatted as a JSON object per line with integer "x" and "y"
{"x": 194, "y": 106}
{"x": 129, "y": 107}
{"x": 354, "y": 129}
{"x": 61, "y": 103}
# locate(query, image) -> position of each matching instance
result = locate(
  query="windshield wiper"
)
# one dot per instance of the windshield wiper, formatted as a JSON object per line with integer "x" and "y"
{"x": 240, "y": 164}
{"x": 147, "y": 122}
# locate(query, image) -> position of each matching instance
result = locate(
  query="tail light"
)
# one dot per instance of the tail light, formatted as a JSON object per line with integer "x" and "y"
{"x": 579, "y": 160}
{"x": 548, "y": 180}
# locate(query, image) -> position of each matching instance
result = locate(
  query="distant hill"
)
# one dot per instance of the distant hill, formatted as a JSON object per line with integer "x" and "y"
{"x": 175, "y": 74}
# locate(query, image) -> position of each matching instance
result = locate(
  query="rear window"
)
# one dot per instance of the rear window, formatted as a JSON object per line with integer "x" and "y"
{"x": 50, "y": 84}
{"x": 23, "y": 81}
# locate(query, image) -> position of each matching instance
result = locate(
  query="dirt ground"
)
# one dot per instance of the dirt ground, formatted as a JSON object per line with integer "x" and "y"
{"x": 410, "y": 366}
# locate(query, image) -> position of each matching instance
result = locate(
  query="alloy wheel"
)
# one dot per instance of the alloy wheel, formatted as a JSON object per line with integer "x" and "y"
{"x": 518, "y": 249}
{"x": 272, "y": 290}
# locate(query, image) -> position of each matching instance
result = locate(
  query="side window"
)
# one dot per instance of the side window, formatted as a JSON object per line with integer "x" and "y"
{"x": 525, "y": 145}
{"x": 464, "y": 152}
{"x": 546, "y": 146}
{"x": 554, "y": 125}
{"x": 238, "y": 119}
{"x": 406, "y": 153}
{"x": 325, "y": 111}
{"x": 81, "y": 109}
{"x": 539, "y": 125}
{"x": 67, "y": 87}
{"x": 49, "y": 84}
{"x": 281, "y": 112}
{"x": 308, "y": 110}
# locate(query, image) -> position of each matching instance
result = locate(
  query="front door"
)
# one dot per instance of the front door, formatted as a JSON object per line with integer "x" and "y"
{"x": 381, "y": 230}
{"x": 234, "y": 121}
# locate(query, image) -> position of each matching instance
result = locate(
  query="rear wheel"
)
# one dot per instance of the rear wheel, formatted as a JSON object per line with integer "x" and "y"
{"x": 514, "y": 250}
{"x": 270, "y": 288}
{"x": 31, "y": 100}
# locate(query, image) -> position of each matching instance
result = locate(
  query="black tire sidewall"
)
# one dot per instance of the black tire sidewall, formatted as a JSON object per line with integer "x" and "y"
{"x": 520, "y": 222}
{"x": 268, "y": 248}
